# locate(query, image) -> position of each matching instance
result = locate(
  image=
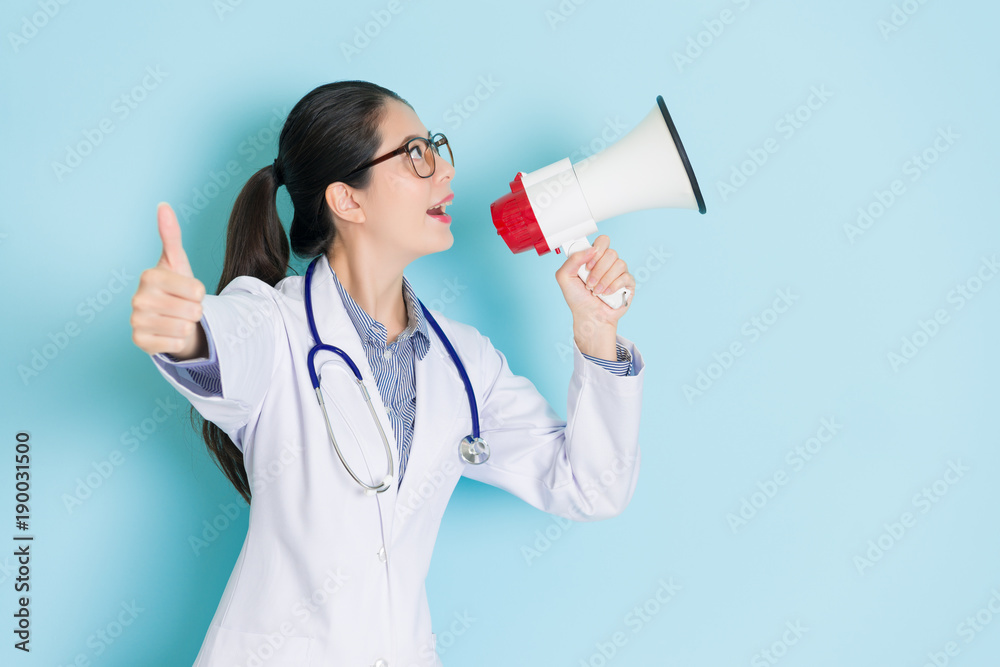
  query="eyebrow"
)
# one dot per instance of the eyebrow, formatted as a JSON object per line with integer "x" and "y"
{"x": 413, "y": 136}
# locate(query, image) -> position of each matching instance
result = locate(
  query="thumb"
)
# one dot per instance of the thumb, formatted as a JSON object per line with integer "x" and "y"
{"x": 173, "y": 257}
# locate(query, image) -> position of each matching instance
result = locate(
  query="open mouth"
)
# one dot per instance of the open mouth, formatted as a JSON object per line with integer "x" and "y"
{"x": 438, "y": 213}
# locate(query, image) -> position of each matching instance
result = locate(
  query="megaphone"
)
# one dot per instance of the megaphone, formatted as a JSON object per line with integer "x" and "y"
{"x": 556, "y": 207}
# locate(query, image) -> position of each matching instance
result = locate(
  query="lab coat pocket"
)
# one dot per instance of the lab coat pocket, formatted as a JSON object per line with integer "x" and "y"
{"x": 272, "y": 649}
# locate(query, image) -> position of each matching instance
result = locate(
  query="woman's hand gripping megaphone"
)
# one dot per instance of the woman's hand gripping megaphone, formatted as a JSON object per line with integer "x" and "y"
{"x": 589, "y": 270}
{"x": 617, "y": 298}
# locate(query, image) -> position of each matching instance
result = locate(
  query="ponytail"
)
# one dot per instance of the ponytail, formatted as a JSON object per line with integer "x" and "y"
{"x": 256, "y": 244}
{"x": 330, "y": 131}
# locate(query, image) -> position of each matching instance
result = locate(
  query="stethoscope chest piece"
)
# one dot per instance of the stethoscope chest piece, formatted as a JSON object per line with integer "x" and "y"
{"x": 474, "y": 450}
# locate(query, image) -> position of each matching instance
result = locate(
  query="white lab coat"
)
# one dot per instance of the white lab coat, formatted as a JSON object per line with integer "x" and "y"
{"x": 328, "y": 575}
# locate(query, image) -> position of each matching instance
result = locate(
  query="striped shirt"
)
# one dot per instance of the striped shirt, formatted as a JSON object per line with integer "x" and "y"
{"x": 392, "y": 364}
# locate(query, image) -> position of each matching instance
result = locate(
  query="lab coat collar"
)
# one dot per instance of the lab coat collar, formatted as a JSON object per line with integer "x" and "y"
{"x": 439, "y": 389}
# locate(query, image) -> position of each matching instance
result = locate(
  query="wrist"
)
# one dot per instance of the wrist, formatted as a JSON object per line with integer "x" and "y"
{"x": 196, "y": 347}
{"x": 598, "y": 340}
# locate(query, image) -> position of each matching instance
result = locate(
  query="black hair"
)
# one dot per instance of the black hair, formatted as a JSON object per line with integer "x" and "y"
{"x": 330, "y": 132}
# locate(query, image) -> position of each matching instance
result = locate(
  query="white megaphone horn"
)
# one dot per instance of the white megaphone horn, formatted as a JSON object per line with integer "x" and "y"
{"x": 556, "y": 207}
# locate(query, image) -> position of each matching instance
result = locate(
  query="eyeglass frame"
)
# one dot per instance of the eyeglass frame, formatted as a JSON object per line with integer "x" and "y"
{"x": 432, "y": 143}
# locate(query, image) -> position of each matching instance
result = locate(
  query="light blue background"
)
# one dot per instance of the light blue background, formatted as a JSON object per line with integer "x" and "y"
{"x": 557, "y": 83}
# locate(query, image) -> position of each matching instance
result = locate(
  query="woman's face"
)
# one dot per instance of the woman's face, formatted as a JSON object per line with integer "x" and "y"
{"x": 394, "y": 207}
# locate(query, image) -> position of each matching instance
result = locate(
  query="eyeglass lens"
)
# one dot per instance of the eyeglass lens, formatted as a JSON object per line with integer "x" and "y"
{"x": 422, "y": 155}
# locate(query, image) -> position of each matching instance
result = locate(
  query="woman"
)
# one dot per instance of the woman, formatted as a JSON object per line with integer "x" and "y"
{"x": 329, "y": 574}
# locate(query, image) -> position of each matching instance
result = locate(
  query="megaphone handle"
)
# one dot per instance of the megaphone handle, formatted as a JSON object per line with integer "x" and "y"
{"x": 615, "y": 299}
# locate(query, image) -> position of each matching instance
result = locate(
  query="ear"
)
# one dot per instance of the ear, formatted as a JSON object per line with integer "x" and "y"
{"x": 340, "y": 199}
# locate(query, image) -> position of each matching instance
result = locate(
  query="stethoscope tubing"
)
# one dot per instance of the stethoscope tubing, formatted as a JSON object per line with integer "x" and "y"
{"x": 461, "y": 368}
{"x": 467, "y": 447}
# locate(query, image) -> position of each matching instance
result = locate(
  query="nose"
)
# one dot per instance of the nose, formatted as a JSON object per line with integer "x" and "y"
{"x": 443, "y": 169}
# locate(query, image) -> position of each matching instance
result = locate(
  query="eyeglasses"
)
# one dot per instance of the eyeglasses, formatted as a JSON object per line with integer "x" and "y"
{"x": 420, "y": 151}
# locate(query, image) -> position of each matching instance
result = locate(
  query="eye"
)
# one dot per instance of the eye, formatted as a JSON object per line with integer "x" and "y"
{"x": 417, "y": 151}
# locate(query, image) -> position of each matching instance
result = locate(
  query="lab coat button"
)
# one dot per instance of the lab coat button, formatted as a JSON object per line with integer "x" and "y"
{"x": 381, "y": 663}
{"x": 381, "y": 554}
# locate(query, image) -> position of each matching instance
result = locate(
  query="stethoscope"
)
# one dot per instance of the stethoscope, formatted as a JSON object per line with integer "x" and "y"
{"x": 472, "y": 448}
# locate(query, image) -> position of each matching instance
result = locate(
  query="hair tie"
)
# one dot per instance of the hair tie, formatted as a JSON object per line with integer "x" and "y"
{"x": 279, "y": 177}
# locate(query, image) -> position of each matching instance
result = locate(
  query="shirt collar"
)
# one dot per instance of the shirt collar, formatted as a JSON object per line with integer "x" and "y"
{"x": 374, "y": 332}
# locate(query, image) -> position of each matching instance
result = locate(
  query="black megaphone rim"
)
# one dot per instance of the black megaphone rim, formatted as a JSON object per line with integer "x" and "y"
{"x": 682, "y": 153}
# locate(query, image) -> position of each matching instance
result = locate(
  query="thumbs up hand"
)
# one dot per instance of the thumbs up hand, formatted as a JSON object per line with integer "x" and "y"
{"x": 166, "y": 309}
